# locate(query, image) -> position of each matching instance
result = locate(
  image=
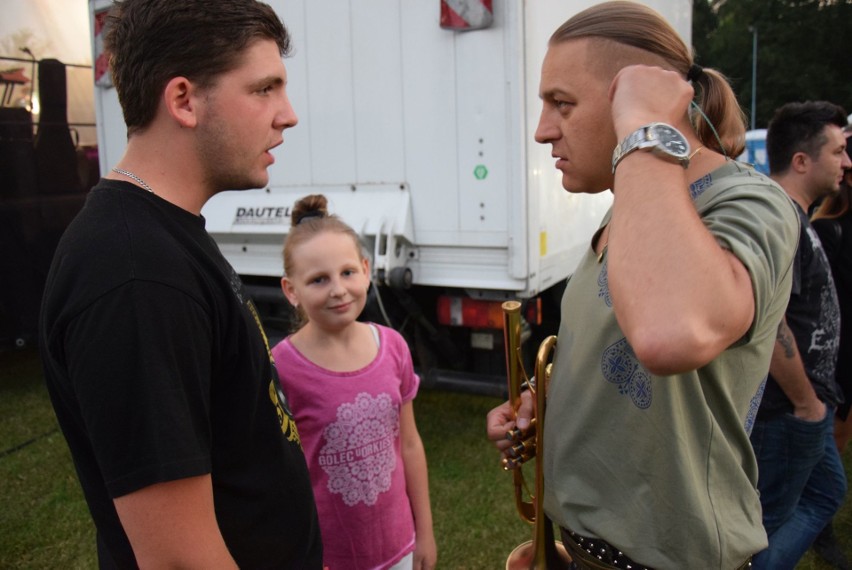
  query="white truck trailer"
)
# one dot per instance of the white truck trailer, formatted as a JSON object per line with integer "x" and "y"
{"x": 416, "y": 120}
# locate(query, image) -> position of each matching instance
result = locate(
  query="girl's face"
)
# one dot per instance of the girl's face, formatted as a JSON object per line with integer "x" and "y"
{"x": 328, "y": 280}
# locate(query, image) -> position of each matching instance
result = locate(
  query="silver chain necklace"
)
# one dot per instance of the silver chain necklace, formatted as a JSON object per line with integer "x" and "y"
{"x": 129, "y": 174}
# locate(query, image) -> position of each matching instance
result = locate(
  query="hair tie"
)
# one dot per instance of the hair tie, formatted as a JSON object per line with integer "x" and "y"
{"x": 310, "y": 214}
{"x": 695, "y": 72}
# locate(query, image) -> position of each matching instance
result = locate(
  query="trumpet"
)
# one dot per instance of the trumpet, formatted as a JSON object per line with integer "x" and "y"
{"x": 543, "y": 551}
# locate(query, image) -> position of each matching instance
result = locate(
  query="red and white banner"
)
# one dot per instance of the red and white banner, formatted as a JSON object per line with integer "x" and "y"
{"x": 466, "y": 14}
{"x": 102, "y": 75}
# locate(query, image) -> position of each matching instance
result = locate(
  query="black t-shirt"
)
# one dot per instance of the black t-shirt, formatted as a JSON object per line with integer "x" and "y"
{"x": 814, "y": 317}
{"x": 836, "y": 237}
{"x": 158, "y": 369}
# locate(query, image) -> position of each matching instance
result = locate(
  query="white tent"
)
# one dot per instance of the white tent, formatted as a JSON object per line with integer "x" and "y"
{"x": 56, "y": 29}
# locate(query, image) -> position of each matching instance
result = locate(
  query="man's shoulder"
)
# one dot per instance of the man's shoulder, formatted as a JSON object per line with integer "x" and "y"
{"x": 122, "y": 221}
{"x": 739, "y": 203}
{"x": 739, "y": 182}
{"x": 733, "y": 175}
{"x": 120, "y": 237}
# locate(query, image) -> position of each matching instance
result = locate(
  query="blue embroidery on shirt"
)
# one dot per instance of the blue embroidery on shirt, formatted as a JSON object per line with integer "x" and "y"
{"x": 620, "y": 366}
{"x": 603, "y": 285}
{"x": 698, "y": 187}
{"x": 754, "y": 405}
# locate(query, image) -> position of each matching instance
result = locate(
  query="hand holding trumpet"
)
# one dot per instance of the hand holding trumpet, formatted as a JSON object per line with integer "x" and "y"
{"x": 512, "y": 427}
{"x": 515, "y": 438}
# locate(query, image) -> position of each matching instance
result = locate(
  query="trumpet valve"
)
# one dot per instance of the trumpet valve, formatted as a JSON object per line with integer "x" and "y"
{"x": 524, "y": 449}
{"x": 519, "y": 454}
{"x": 517, "y": 435}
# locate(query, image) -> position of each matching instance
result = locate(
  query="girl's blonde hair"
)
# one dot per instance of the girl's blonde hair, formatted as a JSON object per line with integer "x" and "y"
{"x": 650, "y": 40}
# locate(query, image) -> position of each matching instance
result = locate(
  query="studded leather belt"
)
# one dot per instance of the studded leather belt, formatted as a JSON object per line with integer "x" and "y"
{"x": 598, "y": 554}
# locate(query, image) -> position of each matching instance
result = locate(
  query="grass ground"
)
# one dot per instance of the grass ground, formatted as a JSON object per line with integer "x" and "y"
{"x": 44, "y": 523}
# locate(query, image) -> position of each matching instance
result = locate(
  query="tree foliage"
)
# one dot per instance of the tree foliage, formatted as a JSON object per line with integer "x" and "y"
{"x": 802, "y": 49}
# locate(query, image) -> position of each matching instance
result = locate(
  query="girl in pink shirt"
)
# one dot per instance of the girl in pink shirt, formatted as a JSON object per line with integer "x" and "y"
{"x": 350, "y": 386}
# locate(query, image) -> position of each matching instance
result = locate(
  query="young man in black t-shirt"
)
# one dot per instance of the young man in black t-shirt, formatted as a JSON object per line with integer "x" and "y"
{"x": 801, "y": 477}
{"x": 155, "y": 359}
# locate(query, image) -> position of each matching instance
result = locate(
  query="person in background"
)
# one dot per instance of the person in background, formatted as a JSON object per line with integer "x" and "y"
{"x": 802, "y": 482}
{"x": 352, "y": 386}
{"x": 156, "y": 363}
{"x": 832, "y": 221}
{"x": 669, "y": 321}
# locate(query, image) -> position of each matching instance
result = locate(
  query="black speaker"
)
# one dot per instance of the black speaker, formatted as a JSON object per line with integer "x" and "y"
{"x": 17, "y": 160}
{"x": 56, "y": 156}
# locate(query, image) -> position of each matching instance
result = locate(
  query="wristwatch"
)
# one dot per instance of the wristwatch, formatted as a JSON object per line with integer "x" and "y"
{"x": 663, "y": 140}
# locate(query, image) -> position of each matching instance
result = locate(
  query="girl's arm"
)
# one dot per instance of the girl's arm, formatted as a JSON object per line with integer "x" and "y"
{"x": 417, "y": 484}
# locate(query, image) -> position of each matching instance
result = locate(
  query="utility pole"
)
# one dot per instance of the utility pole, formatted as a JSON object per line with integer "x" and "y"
{"x": 753, "y": 30}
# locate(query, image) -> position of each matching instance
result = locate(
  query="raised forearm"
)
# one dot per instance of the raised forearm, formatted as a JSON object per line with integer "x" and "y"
{"x": 680, "y": 298}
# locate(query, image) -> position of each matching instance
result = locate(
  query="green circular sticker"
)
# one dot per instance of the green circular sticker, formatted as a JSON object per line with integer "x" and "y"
{"x": 480, "y": 172}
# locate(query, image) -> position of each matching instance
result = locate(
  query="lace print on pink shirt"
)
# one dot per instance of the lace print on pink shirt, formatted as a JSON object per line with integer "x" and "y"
{"x": 358, "y": 455}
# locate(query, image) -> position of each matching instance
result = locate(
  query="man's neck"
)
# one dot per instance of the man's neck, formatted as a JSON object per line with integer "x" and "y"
{"x": 169, "y": 170}
{"x": 795, "y": 189}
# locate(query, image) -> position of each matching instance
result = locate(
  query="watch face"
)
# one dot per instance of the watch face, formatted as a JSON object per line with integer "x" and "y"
{"x": 671, "y": 140}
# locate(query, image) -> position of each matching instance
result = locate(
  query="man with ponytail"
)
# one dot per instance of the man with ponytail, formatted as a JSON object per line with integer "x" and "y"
{"x": 669, "y": 322}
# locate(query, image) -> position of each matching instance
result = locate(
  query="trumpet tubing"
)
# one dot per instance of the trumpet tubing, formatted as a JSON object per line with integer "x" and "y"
{"x": 542, "y": 552}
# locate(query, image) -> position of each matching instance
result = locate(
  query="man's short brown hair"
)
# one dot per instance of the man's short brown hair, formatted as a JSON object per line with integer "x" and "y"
{"x": 152, "y": 41}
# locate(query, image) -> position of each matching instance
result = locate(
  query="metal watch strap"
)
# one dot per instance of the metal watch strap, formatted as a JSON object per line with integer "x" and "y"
{"x": 631, "y": 142}
{"x": 641, "y": 139}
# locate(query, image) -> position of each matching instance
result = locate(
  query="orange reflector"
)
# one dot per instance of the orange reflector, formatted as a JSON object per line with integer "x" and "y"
{"x": 532, "y": 312}
{"x": 466, "y": 312}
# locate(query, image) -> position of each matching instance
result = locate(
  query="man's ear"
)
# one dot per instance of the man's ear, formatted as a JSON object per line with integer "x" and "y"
{"x": 800, "y": 162}
{"x": 180, "y": 99}
{"x": 289, "y": 292}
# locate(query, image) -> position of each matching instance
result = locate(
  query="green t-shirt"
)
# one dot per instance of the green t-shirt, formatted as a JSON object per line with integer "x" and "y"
{"x": 662, "y": 467}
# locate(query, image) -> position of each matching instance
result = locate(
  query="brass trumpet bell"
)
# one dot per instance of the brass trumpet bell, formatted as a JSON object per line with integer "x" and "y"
{"x": 526, "y": 555}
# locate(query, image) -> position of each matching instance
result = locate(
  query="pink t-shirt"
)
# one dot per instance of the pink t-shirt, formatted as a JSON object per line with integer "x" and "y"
{"x": 349, "y": 426}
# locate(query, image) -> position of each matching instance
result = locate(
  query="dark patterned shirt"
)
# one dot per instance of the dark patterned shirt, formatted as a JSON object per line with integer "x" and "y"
{"x": 813, "y": 315}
